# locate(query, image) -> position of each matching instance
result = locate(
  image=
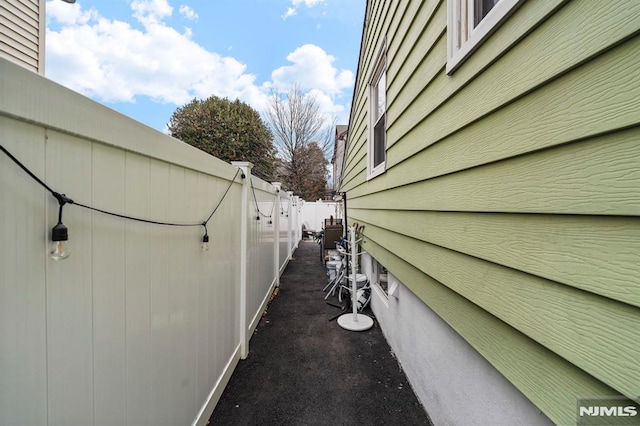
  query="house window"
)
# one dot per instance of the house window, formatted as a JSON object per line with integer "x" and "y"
{"x": 378, "y": 113}
{"x": 380, "y": 276}
{"x": 470, "y": 22}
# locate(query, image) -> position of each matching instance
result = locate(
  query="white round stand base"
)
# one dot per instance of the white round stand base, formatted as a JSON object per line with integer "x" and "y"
{"x": 347, "y": 322}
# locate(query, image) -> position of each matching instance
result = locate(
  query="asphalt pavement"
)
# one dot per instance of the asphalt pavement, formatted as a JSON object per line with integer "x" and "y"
{"x": 303, "y": 369}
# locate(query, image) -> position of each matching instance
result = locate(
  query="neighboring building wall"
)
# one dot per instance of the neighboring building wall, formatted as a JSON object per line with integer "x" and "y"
{"x": 510, "y": 202}
{"x": 22, "y": 30}
{"x": 338, "y": 155}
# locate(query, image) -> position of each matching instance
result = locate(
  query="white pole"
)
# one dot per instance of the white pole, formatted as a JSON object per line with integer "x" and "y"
{"x": 354, "y": 284}
{"x": 354, "y": 321}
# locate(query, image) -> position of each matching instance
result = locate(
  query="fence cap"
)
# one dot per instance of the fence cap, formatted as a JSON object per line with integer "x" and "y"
{"x": 247, "y": 165}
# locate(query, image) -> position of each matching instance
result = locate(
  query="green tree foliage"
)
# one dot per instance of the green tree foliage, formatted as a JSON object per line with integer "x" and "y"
{"x": 229, "y": 130}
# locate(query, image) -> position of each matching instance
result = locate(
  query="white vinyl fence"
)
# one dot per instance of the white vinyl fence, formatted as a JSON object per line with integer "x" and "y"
{"x": 139, "y": 326}
{"x": 313, "y": 214}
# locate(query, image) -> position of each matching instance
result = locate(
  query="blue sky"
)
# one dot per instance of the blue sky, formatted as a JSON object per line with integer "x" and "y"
{"x": 145, "y": 58}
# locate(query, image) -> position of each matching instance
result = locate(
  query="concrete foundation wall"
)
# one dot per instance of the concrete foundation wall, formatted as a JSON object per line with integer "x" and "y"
{"x": 455, "y": 384}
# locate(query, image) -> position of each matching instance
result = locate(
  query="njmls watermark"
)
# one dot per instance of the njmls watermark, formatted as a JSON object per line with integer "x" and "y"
{"x": 608, "y": 412}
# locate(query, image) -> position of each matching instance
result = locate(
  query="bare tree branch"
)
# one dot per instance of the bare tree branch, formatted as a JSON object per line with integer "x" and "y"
{"x": 303, "y": 138}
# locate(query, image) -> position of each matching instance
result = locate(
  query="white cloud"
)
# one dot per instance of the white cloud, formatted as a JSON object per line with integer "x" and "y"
{"x": 329, "y": 107}
{"x": 69, "y": 14}
{"x": 113, "y": 61}
{"x": 313, "y": 69}
{"x": 187, "y": 12}
{"x": 296, "y": 5}
{"x": 290, "y": 12}
{"x": 151, "y": 11}
{"x": 308, "y": 3}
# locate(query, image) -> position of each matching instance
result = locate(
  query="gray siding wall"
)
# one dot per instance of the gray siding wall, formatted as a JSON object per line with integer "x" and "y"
{"x": 22, "y": 28}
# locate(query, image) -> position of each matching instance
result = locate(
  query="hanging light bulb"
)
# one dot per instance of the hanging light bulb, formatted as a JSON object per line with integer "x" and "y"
{"x": 205, "y": 238}
{"x": 60, "y": 247}
{"x": 60, "y": 234}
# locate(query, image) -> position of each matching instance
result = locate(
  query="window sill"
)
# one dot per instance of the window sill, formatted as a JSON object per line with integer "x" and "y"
{"x": 376, "y": 172}
{"x": 381, "y": 295}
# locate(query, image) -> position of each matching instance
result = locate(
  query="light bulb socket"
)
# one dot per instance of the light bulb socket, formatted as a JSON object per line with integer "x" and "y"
{"x": 258, "y": 217}
{"x": 205, "y": 238}
{"x": 60, "y": 232}
{"x": 62, "y": 199}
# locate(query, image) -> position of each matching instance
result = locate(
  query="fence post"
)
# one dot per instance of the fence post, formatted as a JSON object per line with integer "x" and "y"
{"x": 276, "y": 233}
{"x": 297, "y": 224}
{"x": 245, "y": 166}
{"x": 290, "y": 225}
{"x": 294, "y": 221}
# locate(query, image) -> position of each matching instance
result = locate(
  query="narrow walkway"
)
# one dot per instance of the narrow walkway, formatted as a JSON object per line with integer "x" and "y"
{"x": 304, "y": 370}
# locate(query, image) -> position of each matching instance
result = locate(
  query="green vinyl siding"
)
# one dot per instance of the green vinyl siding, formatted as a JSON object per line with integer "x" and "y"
{"x": 554, "y": 315}
{"x": 599, "y": 254}
{"x": 597, "y": 176}
{"x": 513, "y": 187}
{"x": 547, "y": 379}
{"x": 605, "y": 85}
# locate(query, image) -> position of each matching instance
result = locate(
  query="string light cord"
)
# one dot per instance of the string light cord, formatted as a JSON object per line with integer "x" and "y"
{"x": 255, "y": 200}
{"x": 137, "y": 219}
{"x": 27, "y": 171}
{"x": 63, "y": 199}
{"x": 224, "y": 195}
{"x": 282, "y": 210}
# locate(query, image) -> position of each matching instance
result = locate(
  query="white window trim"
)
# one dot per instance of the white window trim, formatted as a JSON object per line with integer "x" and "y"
{"x": 376, "y": 171}
{"x": 378, "y": 69}
{"x": 455, "y": 55}
{"x": 382, "y": 296}
{"x": 374, "y": 277}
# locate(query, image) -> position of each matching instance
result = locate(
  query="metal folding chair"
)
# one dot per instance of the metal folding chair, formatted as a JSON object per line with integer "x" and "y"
{"x": 335, "y": 283}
